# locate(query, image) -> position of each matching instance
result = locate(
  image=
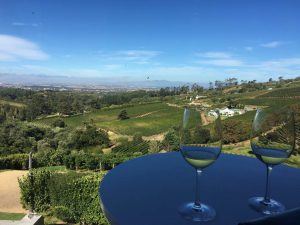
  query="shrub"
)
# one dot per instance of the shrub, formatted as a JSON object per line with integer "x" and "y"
{"x": 90, "y": 136}
{"x": 35, "y": 190}
{"x": 72, "y": 197}
{"x": 201, "y": 135}
{"x": 59, "y": 123}
{"x": 123, "y": 115}
{"x": 130, "y": 147}
{"x": 82, "y": 160}
{"x": 235, "y": 131}
{"x": 14, "y": 161}
{"x": 171, "y": 141}
{"x": 50, "y": 157}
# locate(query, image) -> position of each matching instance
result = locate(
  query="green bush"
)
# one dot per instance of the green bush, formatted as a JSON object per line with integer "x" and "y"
{"x": 235, "y": 131}
{"x": 14, "y": 161}
{"x": 171, "y": 141}
{"x": 59, "y": 123}
{"x": 89, "y": 136}
{"x": 37, "y": 194}
{"x": 82, "y": 160}
{"x": 123, "y": 115}
{"x": 71, "y": 197}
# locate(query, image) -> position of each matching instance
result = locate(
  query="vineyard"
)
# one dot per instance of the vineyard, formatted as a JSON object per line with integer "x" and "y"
{"x": 147, "y": 119}
{"x": 283, "y": 93}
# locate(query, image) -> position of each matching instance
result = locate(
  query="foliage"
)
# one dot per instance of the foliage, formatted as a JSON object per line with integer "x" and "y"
{"x": 201, "y": 135}
{"x": 82, "y": 160}
{"x": 171, "y": 141}
{"x": 235, "y": 131}
{"x": 123, "y": 115}
{"x": 59, "y": 123}
{"x": 50, "y": 157}
{"x": 72, "y": 197}
{"x": 154, "y": 146}
{"x": 35, "y": 190}
{"x": 14, "y": 161}
{"x": 136, "y": 145}
{"x": 89, "y": 136}
{"x": 283, "y": 92}
{"x": 158, "y": 117}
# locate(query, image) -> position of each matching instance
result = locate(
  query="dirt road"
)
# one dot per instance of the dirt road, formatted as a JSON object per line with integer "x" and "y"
{"x": 204, "y": 119}
{"x": 10, "y": 192}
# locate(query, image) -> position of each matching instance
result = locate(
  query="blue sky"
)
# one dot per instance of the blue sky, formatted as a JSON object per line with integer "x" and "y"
{"x": 190, "y": 40}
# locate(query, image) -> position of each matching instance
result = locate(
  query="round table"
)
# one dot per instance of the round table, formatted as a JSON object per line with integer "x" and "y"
{"x": 148, "y": 190}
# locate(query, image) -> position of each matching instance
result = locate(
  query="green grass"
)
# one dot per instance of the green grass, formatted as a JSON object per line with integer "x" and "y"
{"x": 11, "y": 216}
{"x": 159, "y": 118}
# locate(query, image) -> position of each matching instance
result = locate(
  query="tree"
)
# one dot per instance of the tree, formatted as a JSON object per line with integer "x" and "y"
{"x": 154, "y": 147}
{"x": 201, "y": 135}
{"x": 90, "y": 136}
{"x": 197, "y": 88}
{"x": 59, "y": 123}
{"x": 137, "y": 139}
{"x": 235, "y": 131}
{"x": 186, "y": 137}
{"x": 219, "y": 84}
{"x": 123, "y": 115}
{"x": 280, "y": 79}
{"x": 171, "y": 141}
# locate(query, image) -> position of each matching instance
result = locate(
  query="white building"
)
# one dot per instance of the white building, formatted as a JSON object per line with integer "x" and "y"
{"x": 226, "y": 112}
{"x": 213, "y": 113}
{"x": 200, "y": 96}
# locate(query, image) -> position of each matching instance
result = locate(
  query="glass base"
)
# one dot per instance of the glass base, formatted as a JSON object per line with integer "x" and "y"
{"x": 192, "y": 212}
{"x": 266, "y": 207}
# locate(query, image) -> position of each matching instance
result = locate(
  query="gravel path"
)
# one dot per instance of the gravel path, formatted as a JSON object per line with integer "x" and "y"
{"x": 10, "y": 192}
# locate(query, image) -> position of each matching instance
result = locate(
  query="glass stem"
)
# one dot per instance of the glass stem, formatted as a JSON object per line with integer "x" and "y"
{"x": 197, "y": 197}
{"x": 267, "y": 193}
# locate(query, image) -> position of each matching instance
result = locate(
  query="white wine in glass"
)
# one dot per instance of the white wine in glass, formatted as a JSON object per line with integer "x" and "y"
{"x": 272, "y": 142}
{"x": 200, "y": 147}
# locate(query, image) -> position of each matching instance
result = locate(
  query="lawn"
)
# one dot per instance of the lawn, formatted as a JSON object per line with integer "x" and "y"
{"x": 147, "y": 119}
{"x": 11, "y": 216}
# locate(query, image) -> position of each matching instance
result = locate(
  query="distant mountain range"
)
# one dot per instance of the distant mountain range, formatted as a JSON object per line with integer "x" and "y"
{"x": 109, "y": 82}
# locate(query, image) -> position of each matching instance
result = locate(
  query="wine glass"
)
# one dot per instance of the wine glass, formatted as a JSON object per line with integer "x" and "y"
{"x": 272, "y": 142}
{"x": 200, "y": 146}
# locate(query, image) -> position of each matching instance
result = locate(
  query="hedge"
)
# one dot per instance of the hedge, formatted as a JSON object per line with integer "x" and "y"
{"x": 14, "y": 161}
{"x": 71, "y": 197}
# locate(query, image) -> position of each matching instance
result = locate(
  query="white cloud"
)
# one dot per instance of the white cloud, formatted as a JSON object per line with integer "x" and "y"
{"x": 14, "y": 48}
{"x": 222, "y": 62}
{"x": 286, "y": 62}
{"x": 133, "y": 56}
{"x": 214, "y": 55}
{"x": 249, "y": 48}
{"x": 112, "y": 66}
{"x": 273, "y": 44}
{"x": 20, "y": 24}
{"x": 218, "y": 59}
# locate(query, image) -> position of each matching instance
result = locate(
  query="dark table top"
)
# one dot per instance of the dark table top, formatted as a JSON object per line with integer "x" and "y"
{"x": 148, "y": 190}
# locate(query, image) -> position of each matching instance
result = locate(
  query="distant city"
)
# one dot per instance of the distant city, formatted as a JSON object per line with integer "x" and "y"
{"x": 103, "y": 84}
